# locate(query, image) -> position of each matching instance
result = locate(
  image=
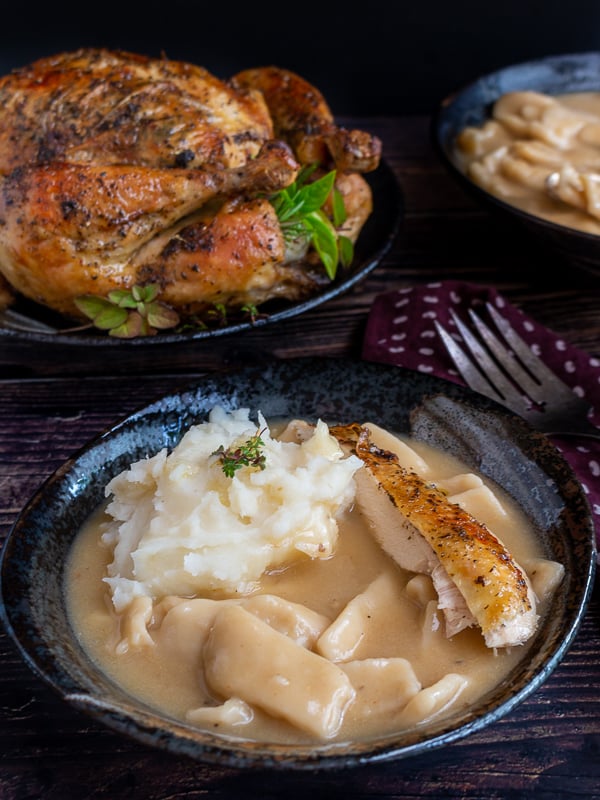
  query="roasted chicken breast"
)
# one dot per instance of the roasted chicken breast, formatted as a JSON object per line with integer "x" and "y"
{"x": 119, "y": 170}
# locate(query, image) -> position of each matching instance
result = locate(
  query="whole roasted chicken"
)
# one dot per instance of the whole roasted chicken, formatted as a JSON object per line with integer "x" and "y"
{"x": 119, "y": 171}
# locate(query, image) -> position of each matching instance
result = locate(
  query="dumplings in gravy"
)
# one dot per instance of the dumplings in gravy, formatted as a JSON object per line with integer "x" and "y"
{"x": 541, "y": 154}
{"x": 248, "y": 584}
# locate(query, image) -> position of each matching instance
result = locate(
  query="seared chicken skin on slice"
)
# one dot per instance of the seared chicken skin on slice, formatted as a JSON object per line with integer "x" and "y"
{"x": 119, "y": 170}
{"x": 433, "y": 534}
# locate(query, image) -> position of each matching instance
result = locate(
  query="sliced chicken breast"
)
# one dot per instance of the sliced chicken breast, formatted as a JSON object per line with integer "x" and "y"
{"x": 477, "y": 579}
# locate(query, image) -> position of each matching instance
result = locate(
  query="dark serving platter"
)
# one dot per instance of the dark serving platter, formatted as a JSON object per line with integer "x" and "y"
{"x": 33, "y": 323}
{"x": 484, "y": 435}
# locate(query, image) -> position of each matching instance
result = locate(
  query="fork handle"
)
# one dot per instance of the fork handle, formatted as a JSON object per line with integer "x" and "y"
{"x": 577, "y": 428}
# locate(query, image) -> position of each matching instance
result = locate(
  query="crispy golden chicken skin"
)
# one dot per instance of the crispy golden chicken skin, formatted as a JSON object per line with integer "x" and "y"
{"x": 495, "y": 588}
{"x": 118, "y": 170}
{"x": 303, "y": 118}
{"x": 70, "y": 230}
{"x": 103, "y": 107}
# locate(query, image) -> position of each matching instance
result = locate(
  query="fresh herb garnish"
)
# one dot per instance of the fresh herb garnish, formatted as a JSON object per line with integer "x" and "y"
{"x": 252, "y": 311}
{"x": 218, "y": 312}
{"x": 246, "y": 455}
{"x": 126, "y": 313}
{"x": 299, "y": 208}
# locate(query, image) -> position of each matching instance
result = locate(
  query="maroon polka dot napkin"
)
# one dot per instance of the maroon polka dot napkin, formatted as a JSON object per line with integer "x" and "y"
{"x": 400, "y": 331}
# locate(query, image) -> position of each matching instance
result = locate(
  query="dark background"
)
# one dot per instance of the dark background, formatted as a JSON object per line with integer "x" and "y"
{"x": 368, "y": 57}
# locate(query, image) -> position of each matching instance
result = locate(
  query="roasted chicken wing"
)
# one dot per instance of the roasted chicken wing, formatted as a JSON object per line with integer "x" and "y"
{"x": 302, "y": 117}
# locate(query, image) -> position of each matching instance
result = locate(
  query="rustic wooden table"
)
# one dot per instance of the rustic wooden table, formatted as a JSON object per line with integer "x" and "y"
{"x": 53, "y": 401}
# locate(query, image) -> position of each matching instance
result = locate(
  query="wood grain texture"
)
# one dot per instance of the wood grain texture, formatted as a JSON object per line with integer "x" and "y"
{"x": 52, "y": 403}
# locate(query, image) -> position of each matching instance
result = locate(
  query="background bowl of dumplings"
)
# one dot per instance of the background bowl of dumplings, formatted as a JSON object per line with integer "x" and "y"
{"x": 511, "y": 134}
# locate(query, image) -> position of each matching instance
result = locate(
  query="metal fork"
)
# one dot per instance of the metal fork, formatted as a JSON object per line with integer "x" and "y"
{"x": 14, "y": 321}
{"x": 516, "y": 377}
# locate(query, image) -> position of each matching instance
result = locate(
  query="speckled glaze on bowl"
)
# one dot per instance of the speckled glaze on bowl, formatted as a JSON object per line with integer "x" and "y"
{"x": 471, "y": 105}
{"x": 484, "y": 435}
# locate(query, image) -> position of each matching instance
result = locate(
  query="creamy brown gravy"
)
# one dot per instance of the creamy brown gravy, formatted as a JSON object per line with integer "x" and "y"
{"x": 162, "y": 679}
{"x": 513, "y": 154}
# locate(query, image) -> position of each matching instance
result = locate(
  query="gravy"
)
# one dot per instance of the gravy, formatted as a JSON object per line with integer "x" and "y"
{"x": 166, "y": 675}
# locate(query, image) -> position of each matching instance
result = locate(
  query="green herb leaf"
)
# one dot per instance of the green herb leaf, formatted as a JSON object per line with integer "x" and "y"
{"x": 339, "y": 209}
{"x": 145, "y": 294}
{"x": 299, "y": 209}
{"x": 103, "y": 314}
{"x": 218, "y": 312}
{"x": 324, "y": 238}
{"x": 346, "y": 250}
{"x": 161, "y": 316}
{"x": 126, "y": 313}
{"x": 247, "y": 454}
{"x": 133, "y": 326}
{"x": 122, "y": 298}
{"x": 251, "y": 310}
{"x": 312, "y": 196}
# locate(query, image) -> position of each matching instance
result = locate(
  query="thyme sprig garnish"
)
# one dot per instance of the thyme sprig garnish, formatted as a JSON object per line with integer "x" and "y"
{"x": 247, "y": 454}
{"x": 127, "y": 313}
{"x": 300, "y": 211}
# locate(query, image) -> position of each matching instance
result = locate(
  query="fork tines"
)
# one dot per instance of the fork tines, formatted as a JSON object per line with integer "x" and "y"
{"x": 507, "y": 372}
{"x": 503, "y": 367}
{"x": 469, "y": 371}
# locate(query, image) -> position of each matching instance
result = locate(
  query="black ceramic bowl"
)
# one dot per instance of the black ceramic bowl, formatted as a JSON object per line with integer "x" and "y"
{"x": 471, "y": 105}
{"x": 484, "y": 435}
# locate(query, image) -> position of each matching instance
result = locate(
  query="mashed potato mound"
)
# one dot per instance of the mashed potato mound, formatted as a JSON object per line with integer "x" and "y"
{"x": 180, "y": 526}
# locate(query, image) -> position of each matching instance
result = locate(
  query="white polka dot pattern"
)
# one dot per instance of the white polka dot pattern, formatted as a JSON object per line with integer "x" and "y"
{"x": 406, "y": 316}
